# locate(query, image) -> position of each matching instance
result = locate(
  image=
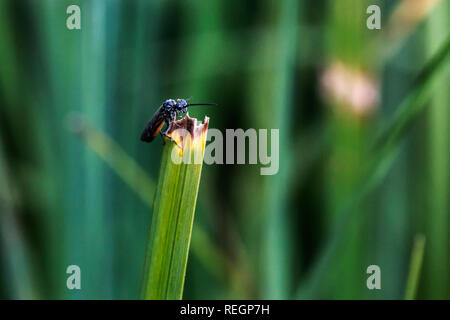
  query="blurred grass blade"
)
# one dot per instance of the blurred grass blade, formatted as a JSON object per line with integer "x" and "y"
{"x": 109, "y": 151}
{"x": 386, "y": 151}
{"x": 16, "y": 272}
{"x": 173, "y": 214}
{"x": 416, "y": 100}
{"x": 405, "y": 18}
{"x": 415, "y": 266}
{"x": 436, "y": 218}
{"x": 142, "y": 184}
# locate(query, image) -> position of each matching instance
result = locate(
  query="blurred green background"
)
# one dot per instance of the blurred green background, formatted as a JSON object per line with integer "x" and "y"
{"x": 364, "y": 145}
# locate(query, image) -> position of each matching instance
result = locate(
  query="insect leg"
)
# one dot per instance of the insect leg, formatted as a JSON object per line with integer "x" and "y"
{"x": 170, "y": 138}
{"x": 164, "y": 134}
{"x": 174, "y": 119}
{"x": 162, "y": 137}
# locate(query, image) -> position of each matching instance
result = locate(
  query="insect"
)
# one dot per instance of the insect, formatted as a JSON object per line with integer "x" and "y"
{"x": 166, "y": 114}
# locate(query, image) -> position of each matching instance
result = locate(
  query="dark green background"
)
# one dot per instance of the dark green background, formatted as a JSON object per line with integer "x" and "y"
{"x": 336, "y": 206}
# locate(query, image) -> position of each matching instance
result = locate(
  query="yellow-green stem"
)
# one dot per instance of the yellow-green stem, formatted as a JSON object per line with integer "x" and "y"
{"x": 173, "y": 212}
{"x": 415, "y": 266}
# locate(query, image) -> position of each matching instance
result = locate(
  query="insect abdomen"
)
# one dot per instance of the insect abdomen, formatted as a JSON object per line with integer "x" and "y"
{"x": 150, "y": 132}
{"x": 153, "y": 127}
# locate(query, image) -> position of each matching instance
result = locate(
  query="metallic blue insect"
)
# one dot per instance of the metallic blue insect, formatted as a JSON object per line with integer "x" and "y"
{"x": 166, "y": 114}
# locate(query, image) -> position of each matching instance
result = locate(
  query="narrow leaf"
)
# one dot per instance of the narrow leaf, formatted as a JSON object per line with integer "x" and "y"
{"x": 173, "y": 211}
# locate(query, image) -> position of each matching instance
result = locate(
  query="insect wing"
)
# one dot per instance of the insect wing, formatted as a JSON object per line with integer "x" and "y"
{"x": 153, "y": 127}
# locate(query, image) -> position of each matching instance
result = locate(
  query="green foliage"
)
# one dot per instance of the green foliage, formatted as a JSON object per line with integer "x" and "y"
{"x": 172, "y": 219}
{"x": 414, "y": 267}
{"x": 353, "y": 188}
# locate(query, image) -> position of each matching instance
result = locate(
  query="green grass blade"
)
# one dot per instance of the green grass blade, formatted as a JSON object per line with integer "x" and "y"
{"x": 173, "y": 216}
{"x": 112, "y": 154}
{"x": 385, "y": 153}
{"x": 414, "y": 267}
{"x": 416, "y": 100}
{"x": 436, "y": 217}
{"x": 137, "y": 179}
{"x": 17, "y": 273}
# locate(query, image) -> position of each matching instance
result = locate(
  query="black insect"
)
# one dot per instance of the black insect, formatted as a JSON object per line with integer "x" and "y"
{"x": 166, "y": 113}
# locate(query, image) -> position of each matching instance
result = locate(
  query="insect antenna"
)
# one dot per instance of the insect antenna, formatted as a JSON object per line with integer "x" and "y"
{"x": 201, "y": 104}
